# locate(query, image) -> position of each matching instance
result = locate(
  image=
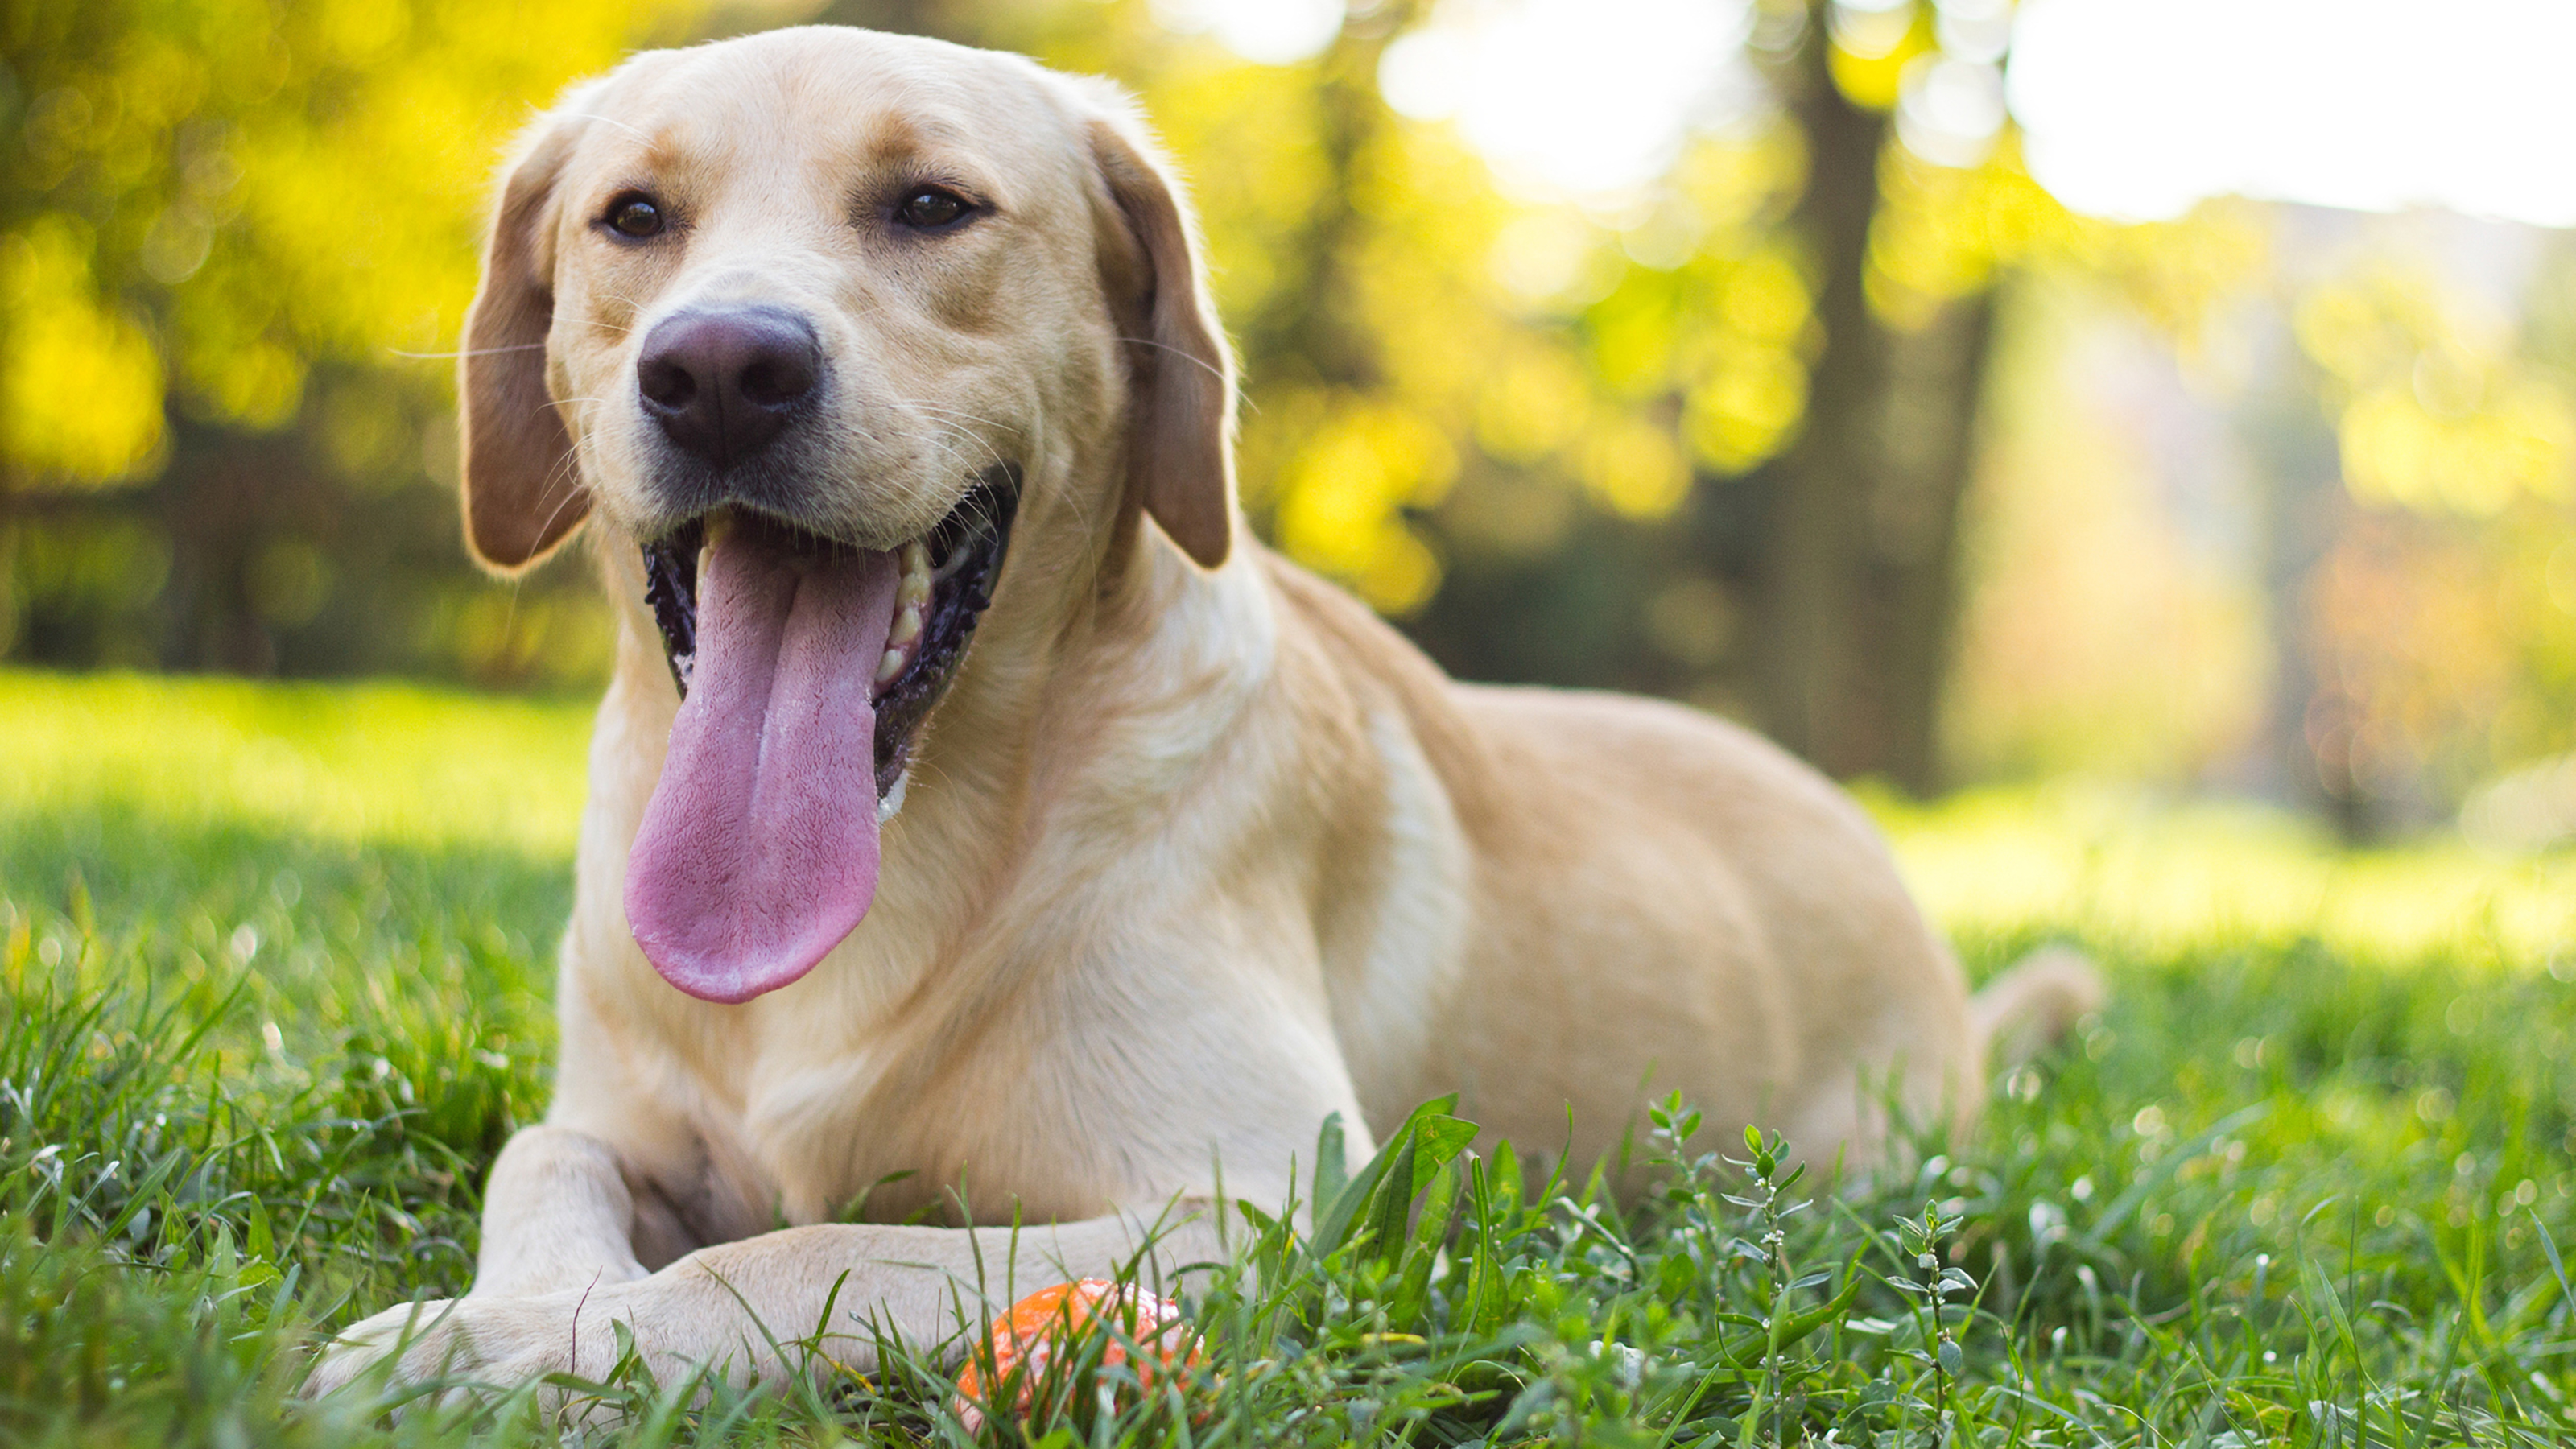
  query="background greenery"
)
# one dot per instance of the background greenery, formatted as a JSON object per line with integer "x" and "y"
{"x": 1840, "y": 425}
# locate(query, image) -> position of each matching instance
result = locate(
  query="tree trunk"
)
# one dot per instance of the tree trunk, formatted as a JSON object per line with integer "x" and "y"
{"x": 1804, "y": 606}
{"x": 1912, "y": 562}
{"x": 1853, "y": 588}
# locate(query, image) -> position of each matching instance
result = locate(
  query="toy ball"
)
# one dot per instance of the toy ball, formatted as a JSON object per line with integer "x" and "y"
{"x": 1025, "y": 1339}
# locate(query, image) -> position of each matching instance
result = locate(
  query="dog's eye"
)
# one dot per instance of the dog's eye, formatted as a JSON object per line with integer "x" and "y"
{"x": 931, "y": 207}
{"x": 635, "y": 216}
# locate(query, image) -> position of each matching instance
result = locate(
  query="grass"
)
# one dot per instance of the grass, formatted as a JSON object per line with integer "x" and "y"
{"x": 273, "y": 968}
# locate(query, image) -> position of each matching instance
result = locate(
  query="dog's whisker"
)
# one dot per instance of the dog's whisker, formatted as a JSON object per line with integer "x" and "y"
{"x": 952, "y": 431}
{"x": 978, "y": 438}
{"x": 1201, "y": 363}
{"x": 950, "y": 412}
{"x": 465, "y": 352}
{"x": 637, "y": 132}
{"x": 943, "y": 414}
{"x": 943, "y": 434}
{"x": 567, "y": 467}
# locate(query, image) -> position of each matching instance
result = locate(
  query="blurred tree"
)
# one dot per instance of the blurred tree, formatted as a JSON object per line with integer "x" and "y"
{"x": 234, "y": 239}
{"x": 2388, "y": 403}
{"x": 1485, "y": 417}
{"x": 2423, "y": 597}
{"x": 1713, "y": 439}
{"x": 1854, "y": 594}
{"x": 1818, "y": 350}
{"x": 1481, "y": 415}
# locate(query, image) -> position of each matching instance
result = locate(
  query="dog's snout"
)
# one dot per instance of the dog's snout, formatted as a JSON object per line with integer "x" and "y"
{"x": 723, "y": 384}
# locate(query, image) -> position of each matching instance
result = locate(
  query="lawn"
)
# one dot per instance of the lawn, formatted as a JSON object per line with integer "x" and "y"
{"x": 274, "y": 976}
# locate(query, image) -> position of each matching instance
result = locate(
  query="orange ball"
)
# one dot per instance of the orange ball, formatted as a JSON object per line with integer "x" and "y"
{"x": 1025, "y": 1338}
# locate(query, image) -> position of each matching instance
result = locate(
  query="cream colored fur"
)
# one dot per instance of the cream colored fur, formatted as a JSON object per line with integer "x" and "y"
{"x": 1196, "y": 851}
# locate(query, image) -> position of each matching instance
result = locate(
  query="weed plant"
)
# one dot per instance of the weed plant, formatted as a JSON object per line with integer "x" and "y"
{"x": 2280, "y": 1192}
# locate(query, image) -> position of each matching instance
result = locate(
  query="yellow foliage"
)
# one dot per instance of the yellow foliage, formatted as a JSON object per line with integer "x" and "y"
{"x": 1765, "y": 299}
{"x": 1547, "y": 257}
{"x": 1748, "y": 409}
{"x": 2176, "y": 273}
{"x": 1941, "y": 232}
{"x": 258, "y": 386}
{"x": 2437, "y": 414}
{"x": 2373, "y": 326}
{"x": 1632, "y": 346}
{"x": 1401, "y": 576}
{"x": 357, "y": 31}
{"x": 2397, "y": 451}
{"x": 1636, "y": 469}
{"x": 1343, "y": 494}
{"x": 1245, "y": 134}
{"x": 80, "y": 397}
{"x": 1871, "y": 47}
{"x": 1742, "y": 178}
{"x": 1531, "y": 405}
{"x": 271, "y": 188}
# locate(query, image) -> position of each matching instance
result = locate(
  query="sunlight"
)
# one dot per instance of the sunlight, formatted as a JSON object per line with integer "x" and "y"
{"x": 2138, "y": 108}
{"x": 2133, "y": 109}
{"x": 1580, "y": 98}
{"x": 1273, "y": 32}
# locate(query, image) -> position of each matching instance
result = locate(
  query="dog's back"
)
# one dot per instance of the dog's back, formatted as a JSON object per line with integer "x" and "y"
{"x": 1651, "y": 899}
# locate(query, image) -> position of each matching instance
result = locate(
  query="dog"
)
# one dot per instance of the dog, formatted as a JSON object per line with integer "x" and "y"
{"x": 852, "y": 351}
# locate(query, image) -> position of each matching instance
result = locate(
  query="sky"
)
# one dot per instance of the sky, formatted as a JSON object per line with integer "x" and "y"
{"x": 2132, "y": 109}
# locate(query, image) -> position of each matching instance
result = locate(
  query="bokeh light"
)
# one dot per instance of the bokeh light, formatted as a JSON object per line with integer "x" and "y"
{"x": 2139, "y": 108}
{"x": 1585, "y": 98}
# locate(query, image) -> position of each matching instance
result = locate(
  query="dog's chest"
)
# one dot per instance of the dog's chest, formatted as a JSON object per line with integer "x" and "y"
{"x": 878, "y": 1131}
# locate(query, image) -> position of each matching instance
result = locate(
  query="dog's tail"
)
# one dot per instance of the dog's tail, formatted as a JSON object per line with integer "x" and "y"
{"x": 2027, "y": 1009}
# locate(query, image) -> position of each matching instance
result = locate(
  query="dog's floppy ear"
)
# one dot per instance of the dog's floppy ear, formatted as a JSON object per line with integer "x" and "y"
{"x": 1180, "y": 443}
{"x": 523, "y": 489}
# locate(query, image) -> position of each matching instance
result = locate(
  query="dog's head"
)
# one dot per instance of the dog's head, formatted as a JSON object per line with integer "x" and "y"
{"x": 819, "y": 320}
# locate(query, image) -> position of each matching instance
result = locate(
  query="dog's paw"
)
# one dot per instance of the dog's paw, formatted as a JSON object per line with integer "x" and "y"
{"x": 404, "y": 1343}
{"x": 497, "y": 1343}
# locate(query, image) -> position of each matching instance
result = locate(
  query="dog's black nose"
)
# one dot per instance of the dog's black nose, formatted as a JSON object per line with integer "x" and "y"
{"x": 722, "y": 384}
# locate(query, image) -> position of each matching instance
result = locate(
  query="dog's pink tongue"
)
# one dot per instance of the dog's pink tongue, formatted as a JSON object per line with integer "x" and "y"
{"x": 759, "y": 849}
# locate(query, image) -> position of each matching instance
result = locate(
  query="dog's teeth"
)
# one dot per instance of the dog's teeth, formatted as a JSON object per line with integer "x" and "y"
{"x": 915, "y": 587}
{"x": 890, "y": 666}
{"x": 907, "y": 627}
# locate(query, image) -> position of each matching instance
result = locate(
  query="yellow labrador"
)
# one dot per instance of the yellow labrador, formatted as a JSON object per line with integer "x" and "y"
{"x": 856, "y": 350}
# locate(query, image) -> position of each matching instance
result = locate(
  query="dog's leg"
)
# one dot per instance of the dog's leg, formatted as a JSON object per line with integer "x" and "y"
{"x": 557, "y": 1213}
{"x": 742, "y": 1308}
{"x": 739, "y": 1306}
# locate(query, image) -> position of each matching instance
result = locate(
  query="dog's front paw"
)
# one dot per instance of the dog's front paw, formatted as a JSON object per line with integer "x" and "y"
{"x": 404, "y": 1343}
{"x": 498, "y": 1343}
{"x": 493, "y": 1342}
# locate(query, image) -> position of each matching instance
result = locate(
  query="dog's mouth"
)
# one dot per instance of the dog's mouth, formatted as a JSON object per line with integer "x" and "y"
{"x": 945, "y": 585}
{"x": 806, "y": 668}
